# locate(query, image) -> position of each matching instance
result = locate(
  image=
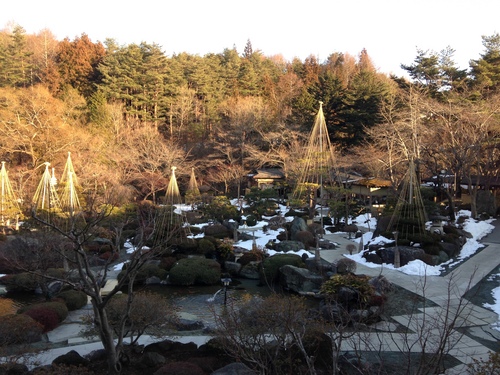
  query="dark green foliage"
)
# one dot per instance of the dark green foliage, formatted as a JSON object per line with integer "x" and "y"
{"x": 220, "y": 209}
{"x": 179, "y": 368}
{"x": 22, "y": 282}
{"x": 19, "y": 329}
{"x": 150, "y": 270}
{"x": 195, "y": 271}
{"x": 145, "y": 272}
{"x": 74, "y": 299}
{"x": 271, "y": 266}
{"x": 48, "y": 318}
{"x": 187, "y": 246}
{"x": 224, "y": 249}
{"x": 56, "y": 273}
{"x": 205, "y": 246}
{"x": 486, "y": 70}
{"x": 58, "y": 307}
{"x": 217, "y": 231}
{"x": 251, "y": 220}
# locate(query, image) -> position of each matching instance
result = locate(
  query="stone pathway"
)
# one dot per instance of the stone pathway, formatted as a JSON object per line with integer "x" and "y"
{"x": 472, "y": 324}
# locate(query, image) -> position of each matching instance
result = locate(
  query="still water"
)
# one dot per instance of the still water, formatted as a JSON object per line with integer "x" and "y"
{"x": 201, "y": 302}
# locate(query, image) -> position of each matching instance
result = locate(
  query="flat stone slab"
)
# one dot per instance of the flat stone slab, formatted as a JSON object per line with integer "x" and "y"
{"x": 109, "y": 286}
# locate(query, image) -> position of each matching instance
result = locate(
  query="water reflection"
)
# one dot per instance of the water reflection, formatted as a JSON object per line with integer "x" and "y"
{"x": 195, "y": 303}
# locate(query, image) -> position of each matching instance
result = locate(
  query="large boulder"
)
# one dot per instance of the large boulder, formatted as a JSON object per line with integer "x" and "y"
{"x": 72, "y": 358}
{"x": 298, "y": 225}
{"x": 451, "y": 249}
{"x": 406, "y": 254}
{"x": 152, "y": 360}
{"x": 285, "y": 246}
{"x": 277, "y": 222}
{"x": 250, "y": 271}
{"x": 300, "y": 280}
{"x": 233, "y": 268}
{"x": 386, "y": 254}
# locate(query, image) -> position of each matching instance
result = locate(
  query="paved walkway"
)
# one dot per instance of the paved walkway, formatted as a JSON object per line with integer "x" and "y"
{"x": 447, "y": 293}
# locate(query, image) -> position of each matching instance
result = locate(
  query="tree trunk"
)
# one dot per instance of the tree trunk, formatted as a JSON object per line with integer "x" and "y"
{"x": 107, "y": 338}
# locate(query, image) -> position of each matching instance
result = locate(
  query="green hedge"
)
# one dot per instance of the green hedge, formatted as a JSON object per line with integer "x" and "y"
{"x": 197, "y": 270}
{"x": 74, "y": 299}
{"x": 145, "y": 272}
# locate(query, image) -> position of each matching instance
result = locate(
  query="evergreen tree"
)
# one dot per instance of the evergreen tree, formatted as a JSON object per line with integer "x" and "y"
{"x": 230, "y": 69}
{"x": 486, "y": 70}
{"x": 362, "y": 105}
{"x": 135, "y": 75}
{"x": 16, "y": 69}
{"x": 248, "y": 51}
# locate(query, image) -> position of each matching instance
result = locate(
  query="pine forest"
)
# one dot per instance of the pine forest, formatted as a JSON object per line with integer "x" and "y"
{"x": 129, "y": 113}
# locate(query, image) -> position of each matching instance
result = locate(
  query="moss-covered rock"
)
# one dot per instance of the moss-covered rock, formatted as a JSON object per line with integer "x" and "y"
{"x": 271, "y": 266}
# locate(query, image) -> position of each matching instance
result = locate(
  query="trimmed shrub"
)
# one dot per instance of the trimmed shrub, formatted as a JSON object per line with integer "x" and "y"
{"x": 187, "y": 247}
{"x": 225, "y": 248}
{"x": 346, "y": 265}
{"x": 22, "y": 282}
{"x": 58, "y": 307}
{"x": 57, "y": 273}
{"x": 179, "y": 368}
{"x": 74, "y": 299}
{"x": 271, "y": 266}
{"x": 217, "y": 231}
{"x": 360, "y": 284}
{"x": 200, "y": 271}
{"x": 251, "y": 220}
{"x": 205, "y": 246}
{"x": 145, "y": 272}
{"x": 47, "y": 317}
{"x": 19, "y": 329}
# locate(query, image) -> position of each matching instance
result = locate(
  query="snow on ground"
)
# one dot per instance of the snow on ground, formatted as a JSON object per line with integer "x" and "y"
{"x": 478, "y": 229}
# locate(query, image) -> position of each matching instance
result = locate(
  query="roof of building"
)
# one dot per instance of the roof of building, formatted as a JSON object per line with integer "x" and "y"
{"x": 270, "y": 173}
{"x": 372, "y": 182}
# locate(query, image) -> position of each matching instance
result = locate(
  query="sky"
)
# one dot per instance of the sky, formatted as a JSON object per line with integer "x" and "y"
{"x": 390, "y": 30}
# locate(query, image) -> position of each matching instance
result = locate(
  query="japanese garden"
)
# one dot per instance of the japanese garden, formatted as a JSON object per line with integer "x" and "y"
{"x": 226, "y": 196}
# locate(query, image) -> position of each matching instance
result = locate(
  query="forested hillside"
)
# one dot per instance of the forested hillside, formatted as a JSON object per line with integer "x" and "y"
{"x": 128, "y": 113}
